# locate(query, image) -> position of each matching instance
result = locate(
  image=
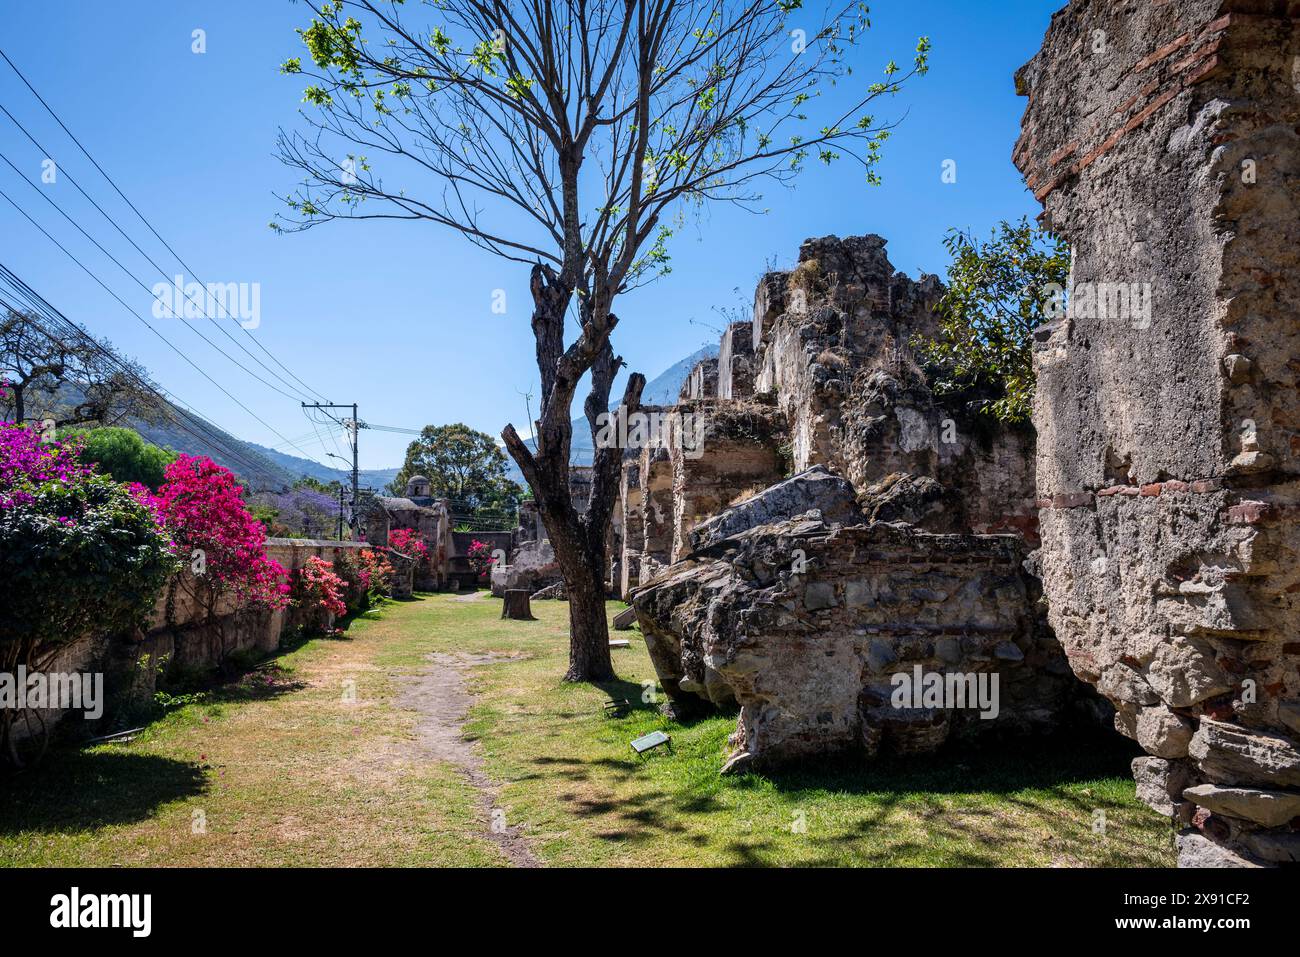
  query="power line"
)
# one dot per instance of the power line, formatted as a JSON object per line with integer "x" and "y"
{"x": 41, "y": 308}
{"x": 170, "y": 405}
{"x": 49, "y": 109}
{"x": 162, "y": 272}
{"x": 136, "y": 279}
{"x": 140, "y": 319}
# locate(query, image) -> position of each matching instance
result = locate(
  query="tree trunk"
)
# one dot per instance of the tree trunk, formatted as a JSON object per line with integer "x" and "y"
{"x": 515, "y": 606}
{"x": 584, "y": 584}
{"x": 577, "y": 537}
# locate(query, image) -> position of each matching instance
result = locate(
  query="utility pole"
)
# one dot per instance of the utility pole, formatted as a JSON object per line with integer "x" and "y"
{"x": 353, "y": 426}
{"x": 340, "y": 534}
{"x": 356, "y": 431}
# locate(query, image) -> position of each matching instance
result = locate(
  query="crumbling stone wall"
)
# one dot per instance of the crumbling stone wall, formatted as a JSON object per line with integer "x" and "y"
{"x": 629, "y": 504}
{"x": 657, "y": 509}
{"x": 702, "y": 381}
{"x": 835, "y": 350}
{"x": 804, "y": 621}
{"x": 800, "y": 600}
{"x": 736, "y": 362}
{"x": 1162, "y": 141}
{"x": 729, "y": 450}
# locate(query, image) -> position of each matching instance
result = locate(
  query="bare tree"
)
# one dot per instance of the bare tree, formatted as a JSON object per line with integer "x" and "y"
{"x": 573, "y": 136}
{"x": 73, "y": 381}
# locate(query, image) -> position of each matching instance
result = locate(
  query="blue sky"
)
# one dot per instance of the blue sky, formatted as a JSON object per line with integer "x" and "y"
{"x": 398, "y": 316}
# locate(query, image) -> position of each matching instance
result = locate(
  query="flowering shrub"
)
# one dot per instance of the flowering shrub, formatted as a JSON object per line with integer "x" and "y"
{"x": 406, "y": 541}
{"x": 480, "y": 558}
{"x": 379, "y": 574}
{"x": 356, "y": 581}
{"x": 200, "y": 504}
{"x": 317, "y": 584}
{"x": 78, "y": 553}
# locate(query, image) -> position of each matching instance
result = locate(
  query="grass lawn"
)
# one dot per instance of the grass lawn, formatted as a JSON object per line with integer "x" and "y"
{"x": 285, "y": 771}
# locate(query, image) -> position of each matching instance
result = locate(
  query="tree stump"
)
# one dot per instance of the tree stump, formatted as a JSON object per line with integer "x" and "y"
{"x": 516, "y": 605}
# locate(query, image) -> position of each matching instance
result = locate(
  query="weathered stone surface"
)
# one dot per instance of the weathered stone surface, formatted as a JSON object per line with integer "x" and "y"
{"x": 552, "y": 592}
{"x": 1160, "y": 783}
{"x": 1270, "y": 808}
{"x": 1197, "y": 850}
{"x": 625, "y": 619}
{"x": 719, "y": 452}
{"x": 916, "y": 499}
{"x": 1273, "y": 847}
{"x": 1162, "y": 733}
{"x": 702, "y": 381}
{"x": 1232, "y": 755}
{"x": 533, "y": 568}
{"x": 736, "y": 362}
{"x": 1168, "y": 457}
{"x": 805, "y": 625}
{"x": 813, "y": 489}
{"x": 837, "y": 357}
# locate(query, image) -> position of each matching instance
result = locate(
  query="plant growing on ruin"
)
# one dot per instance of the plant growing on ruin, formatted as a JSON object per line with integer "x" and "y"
{"x": 998, "y": 291}
{"x": 79, "y": 555}
{"x": 600, "y": 125}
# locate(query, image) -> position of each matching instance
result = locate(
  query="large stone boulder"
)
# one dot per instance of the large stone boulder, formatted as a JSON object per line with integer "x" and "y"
{"x": 805, "y": 625}
{"x": 532, "y": 568}
{"x": 816, "y": 489}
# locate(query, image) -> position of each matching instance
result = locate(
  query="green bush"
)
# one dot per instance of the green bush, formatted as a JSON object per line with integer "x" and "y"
{"x": 123, "y": 454}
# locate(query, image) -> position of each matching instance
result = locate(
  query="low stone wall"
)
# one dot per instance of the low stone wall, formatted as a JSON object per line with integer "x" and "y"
{"x": 179, "y": 641}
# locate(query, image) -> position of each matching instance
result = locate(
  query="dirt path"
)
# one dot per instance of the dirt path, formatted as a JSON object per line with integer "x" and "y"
{"x": 443, "y": 702}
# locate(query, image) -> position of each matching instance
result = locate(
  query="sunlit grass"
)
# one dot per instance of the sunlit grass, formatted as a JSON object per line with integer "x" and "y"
{"x": 295, "y": 775}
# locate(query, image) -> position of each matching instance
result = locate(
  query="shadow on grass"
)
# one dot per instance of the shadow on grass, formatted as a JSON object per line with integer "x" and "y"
{"x": 902, "y": 811}
{"x": 629, "y": 692}
{"x": 996, "y": 767}
{"x": 81, "y": 791}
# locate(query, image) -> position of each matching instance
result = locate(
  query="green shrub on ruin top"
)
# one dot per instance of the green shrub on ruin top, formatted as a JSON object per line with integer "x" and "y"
{"x": 997, "y": 292}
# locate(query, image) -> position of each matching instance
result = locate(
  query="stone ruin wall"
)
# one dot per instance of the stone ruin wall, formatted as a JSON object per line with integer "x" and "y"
{"x": 1161, "y": 139}
{"x": 802, "y": 622}
{"x": 835, "y": 348}
{"x": 823, "y": 378}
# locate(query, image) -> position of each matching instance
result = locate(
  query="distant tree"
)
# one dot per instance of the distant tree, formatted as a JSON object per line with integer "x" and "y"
{"x": 574, "y": 137}
{"x": 66, "y": 378}
{"x": 299, "y": 512}
{"x": 316, "y": 485}
{"x": 123, "y": 454}
{"x": 461, "y": 464}
{"x": 998, "y": 291}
